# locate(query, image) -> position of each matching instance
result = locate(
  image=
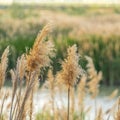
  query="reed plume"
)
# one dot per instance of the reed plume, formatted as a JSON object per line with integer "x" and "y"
{"x": 21, "y": 65}
{"x": 3, "y": 66}
{"x": 71, "y": 70}
{"x": 39, "y": 56}
{"x": 94, "y": 77}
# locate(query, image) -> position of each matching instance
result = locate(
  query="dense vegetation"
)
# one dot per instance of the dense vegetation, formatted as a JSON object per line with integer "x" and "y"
{"x": 67, "y": 90}
{"x": 93, "y": 28}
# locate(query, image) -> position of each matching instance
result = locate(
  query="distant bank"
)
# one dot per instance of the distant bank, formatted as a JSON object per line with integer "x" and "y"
{"x": 9, "y": 2}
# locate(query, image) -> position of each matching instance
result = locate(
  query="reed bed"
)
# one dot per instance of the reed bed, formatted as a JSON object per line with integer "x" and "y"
{"x": 25, "y": 82}
{"x": 101, "y": 43}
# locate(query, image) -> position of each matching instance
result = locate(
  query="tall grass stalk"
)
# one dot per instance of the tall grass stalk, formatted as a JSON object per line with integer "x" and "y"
{"x": 68, "y": 104}
{"x": 1, "y": 110}
{"x": 28, "y": 69}
{"x": 71, "y": 70}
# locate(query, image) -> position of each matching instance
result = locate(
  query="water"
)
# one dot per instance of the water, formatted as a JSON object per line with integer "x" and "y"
{"x": 42, "y": 99}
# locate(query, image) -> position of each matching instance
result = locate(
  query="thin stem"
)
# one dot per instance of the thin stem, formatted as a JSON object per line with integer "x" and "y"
{"x": 31, "y": 98}
{"x": 13, "y": 97}
{"x": 95, "y": 107}
{"x": 26, "y": 96}
{"x": 52, "y": 98}
{"x": 2, "y": 106}
{"x": 68, "y": 102}
{"x": 16, "y": 108}
{"x": 17, "y": 102}
{"x": 31, "y": 105}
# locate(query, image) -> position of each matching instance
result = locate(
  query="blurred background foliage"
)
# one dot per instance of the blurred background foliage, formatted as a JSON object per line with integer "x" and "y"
{"x": 95, "y": 30}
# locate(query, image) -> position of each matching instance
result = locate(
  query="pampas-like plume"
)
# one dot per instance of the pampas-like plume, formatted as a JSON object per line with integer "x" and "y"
{"x": 21, "y": 62}
{"x": 3, "y": 66}
{"x": 41, "y": 52}
{"x": 39, "y": 57}
{"x": 71, "y": 70}
{"x": 94, "y": 77}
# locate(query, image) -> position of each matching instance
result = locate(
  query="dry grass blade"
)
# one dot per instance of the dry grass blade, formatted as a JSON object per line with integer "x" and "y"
{"x": 117, "y": 116}
{"x": 111, "y": 111}
{"x": 2, "y": 104}
{"x": 82, "y": 89}
{"x": 3, "y": 66}
{"x": 51, "y": 86}
{"x": 14, "y": 82}
{"x": 71, "y": 70}
{"x": 41, "y": 52}
{"x": 99, "y": 115}
{"x": 17, "y": 77}
{"x": 26, "y": 96}
{"x": 21, "y": 66}
{"x": 94, "y": 77}
{"x": 81, "y": 92}
{"x": 113, "y": 94}
{"x": 39, "y": 57}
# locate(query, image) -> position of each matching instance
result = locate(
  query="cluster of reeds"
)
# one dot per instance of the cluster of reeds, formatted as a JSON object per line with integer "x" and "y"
{"x": 25, "y": 82}
{"x": 72, "y": 29}
{"x": 101, "y": 43}
{"x": 25, "y": 77}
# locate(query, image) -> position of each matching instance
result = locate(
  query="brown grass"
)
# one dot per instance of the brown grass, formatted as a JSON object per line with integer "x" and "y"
{"x": 25, "y": 81}
{"x": 3, "y": 66}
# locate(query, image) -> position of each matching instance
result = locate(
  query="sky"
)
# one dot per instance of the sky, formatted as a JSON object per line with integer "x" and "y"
{"x": 61, "y": 1}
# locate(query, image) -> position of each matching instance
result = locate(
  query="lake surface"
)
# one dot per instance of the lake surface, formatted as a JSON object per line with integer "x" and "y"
{"x": 42, "y": 98}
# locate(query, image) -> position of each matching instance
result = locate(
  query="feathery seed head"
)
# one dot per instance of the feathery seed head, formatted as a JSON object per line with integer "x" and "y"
{"x": 42, "y": 51}
{"x": 94, "y": 77}
{"x": 21, "y": 66}
{"x": 70, "y": 67}
{"x": 51, "y": 80}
